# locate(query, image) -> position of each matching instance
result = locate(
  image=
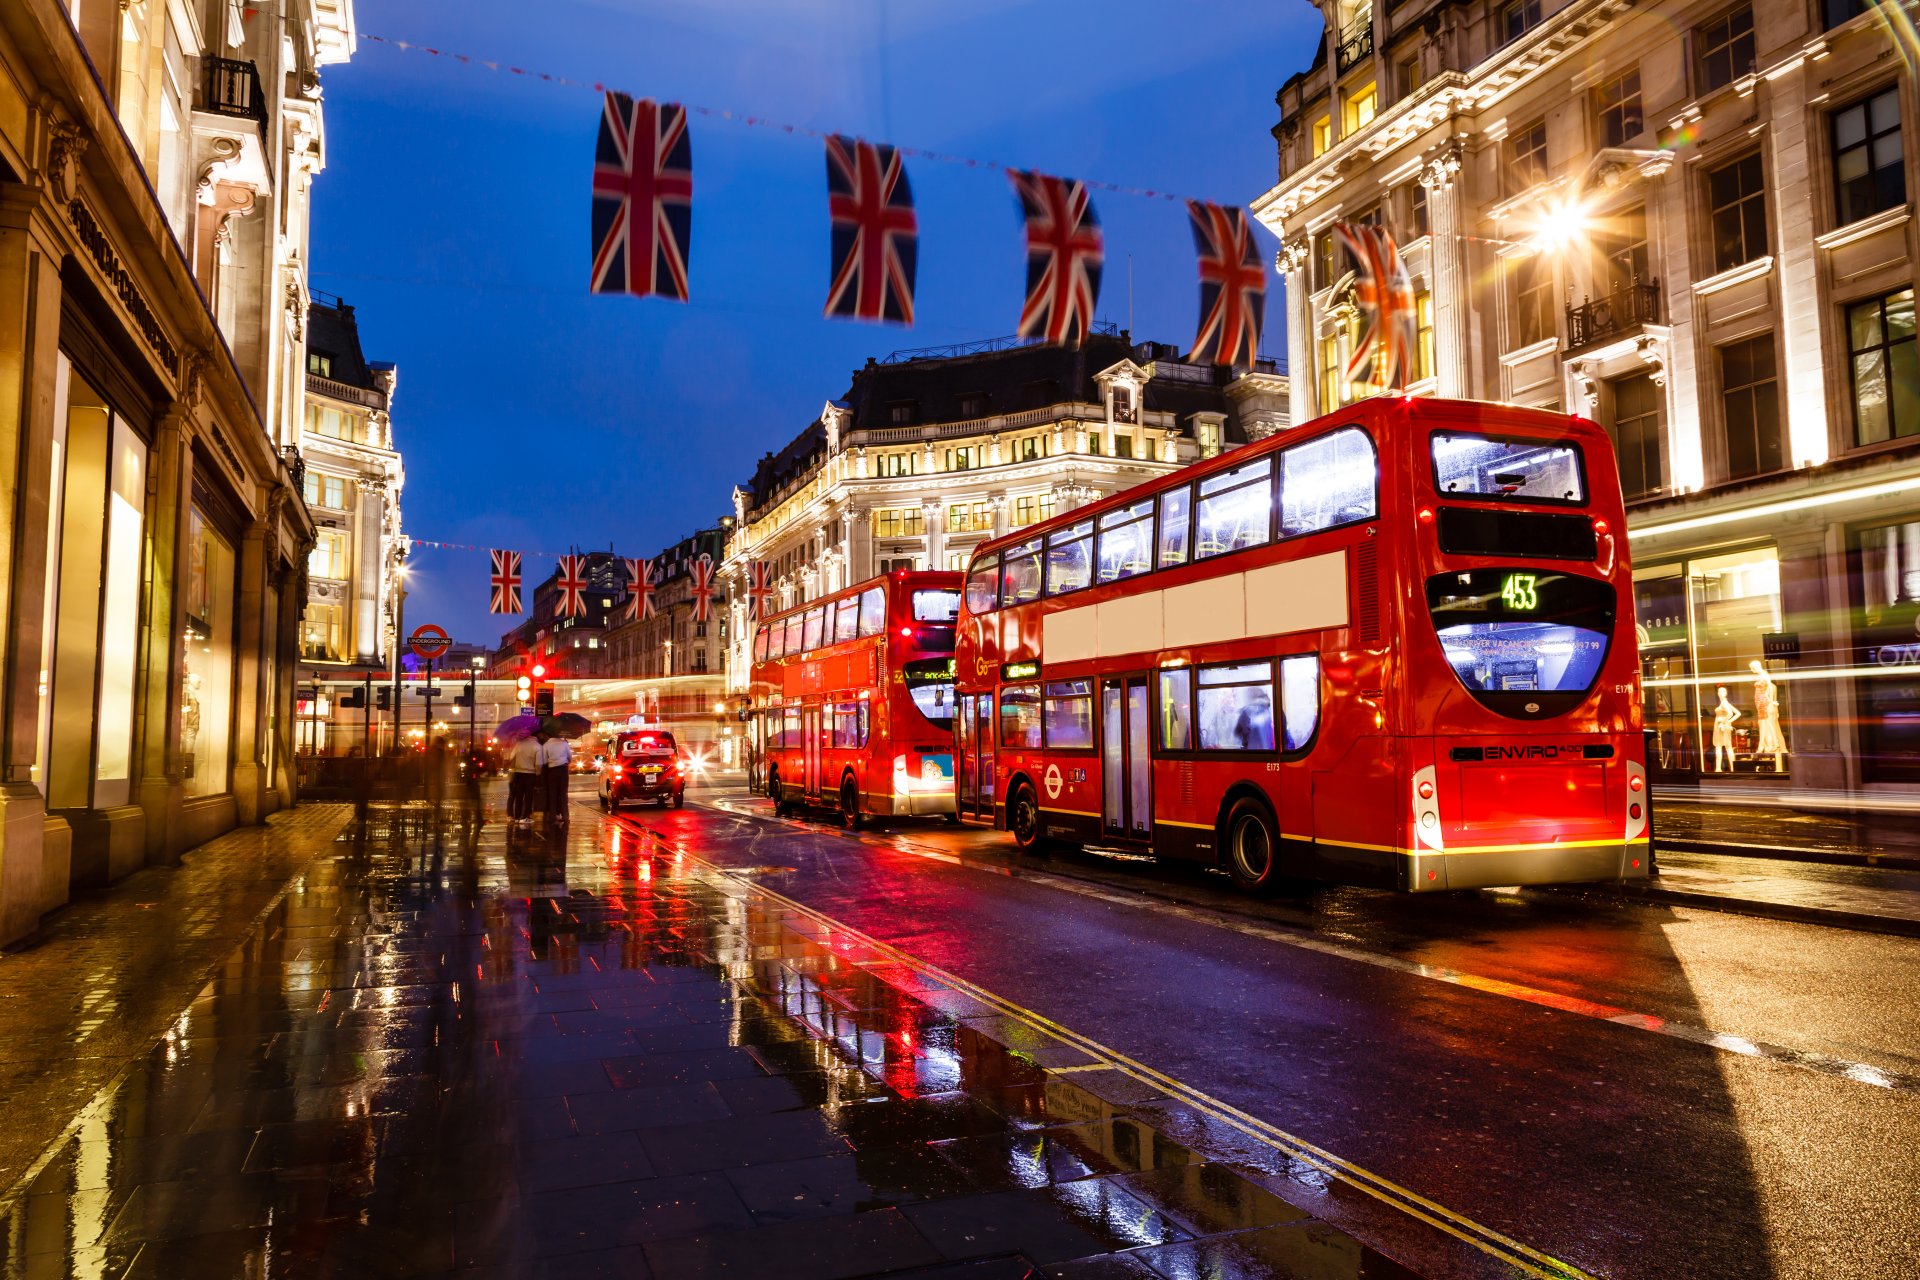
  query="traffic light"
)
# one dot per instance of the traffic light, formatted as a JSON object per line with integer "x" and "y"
{"x": 354, "y": 698}
{"x": 465, "y": 698}
{"x": 383, "y": 697}
{"x": 523, "y": 689}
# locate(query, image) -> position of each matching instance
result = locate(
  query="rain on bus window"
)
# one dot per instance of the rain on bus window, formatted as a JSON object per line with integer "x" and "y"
{"x": 1068, "y": 714}
{"x": 936, "y": 606}
{"x": 1020, "y": 716}
{"x": 846, "y": 622}
{"x": 1300, "y": 698}
{"x": 1503, "y": 467}
{"x": 1236, "y": 707}
{"x": 1176, "y": 506}
{"x": 1235, "y": 509}
{"x": 1125, "y": 546}
{"x": 1328, "y": 482}
{"x": 1069, "y": 558}
{"x": 1020, "y": 574}
{"x": 810, "y": 638}
{"x": 873, "y": 612}
{"x": 983, "y": 585}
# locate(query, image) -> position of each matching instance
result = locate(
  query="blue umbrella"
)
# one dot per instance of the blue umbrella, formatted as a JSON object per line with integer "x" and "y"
{"x": 510, "y": 731}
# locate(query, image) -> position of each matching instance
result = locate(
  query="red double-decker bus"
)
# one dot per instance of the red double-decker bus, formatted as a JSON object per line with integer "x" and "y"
{"x": 853, "y": 697}
{"x": 1392, "y": 647}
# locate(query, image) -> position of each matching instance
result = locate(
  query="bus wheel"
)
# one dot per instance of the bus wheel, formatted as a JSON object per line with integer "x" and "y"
{"x": 780, "y": 806}
{"x": 1252, "y": 846}
{"x": 1023, "y": 818}
{"x": 850, "y": 805}
{"x": 951, "y": 819}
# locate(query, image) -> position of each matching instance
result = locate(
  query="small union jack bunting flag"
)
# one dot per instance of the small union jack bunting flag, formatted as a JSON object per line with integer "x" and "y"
{"x": 1064, "y": 253}
{"x": 642, "y": 198}
{"x": 1233, "y": 286}
{"x": 1384, "y": 293}
{"x": 876, "y": 237}
{"x": 759, "y": 588}
{"x": 572, "y": 584}
{"x": 639, "y": 590}
{"x": 703, "y": 590}
{"x": 506, "y": 582}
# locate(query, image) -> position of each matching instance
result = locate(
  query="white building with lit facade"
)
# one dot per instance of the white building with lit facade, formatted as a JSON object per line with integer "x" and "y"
{"x": 1692, "y": 221}
{"x": 931, "y": 452}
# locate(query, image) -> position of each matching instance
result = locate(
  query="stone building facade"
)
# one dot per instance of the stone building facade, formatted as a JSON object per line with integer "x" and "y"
{"x": 931, "y": 452}
{"x": 155, "y": 162}
{"x": 673, "y": 642}
{"x": 1692, "y": 221}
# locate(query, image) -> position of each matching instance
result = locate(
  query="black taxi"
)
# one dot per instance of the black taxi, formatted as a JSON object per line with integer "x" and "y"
{"x": 643, "y": 765}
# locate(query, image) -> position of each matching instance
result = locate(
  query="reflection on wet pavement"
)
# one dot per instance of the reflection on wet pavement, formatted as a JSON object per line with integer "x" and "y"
{"x": 581, "y": 1057}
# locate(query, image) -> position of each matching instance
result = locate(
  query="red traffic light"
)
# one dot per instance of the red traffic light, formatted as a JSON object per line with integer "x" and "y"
{"x": 538, "y": 671}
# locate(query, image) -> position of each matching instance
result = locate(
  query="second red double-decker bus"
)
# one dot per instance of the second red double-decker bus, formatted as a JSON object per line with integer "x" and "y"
{"x": 1393, "y": 646}
{"x": 853, "y": 694}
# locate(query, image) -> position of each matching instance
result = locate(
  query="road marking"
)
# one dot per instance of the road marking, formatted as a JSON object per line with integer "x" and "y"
{"x": 1514, "y": 1253}
{"x": 1805, "y": 1059}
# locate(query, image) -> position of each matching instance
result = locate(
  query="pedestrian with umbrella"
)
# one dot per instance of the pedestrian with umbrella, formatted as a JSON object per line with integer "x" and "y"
{"x": 556, "y": 757}
{"x": 524, "y": 762}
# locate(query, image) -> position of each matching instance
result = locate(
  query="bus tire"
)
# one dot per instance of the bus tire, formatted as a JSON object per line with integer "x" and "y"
{"x": 951, "y": 819}
{"x": 1023, "y": 818}
{"x": 1250, "y": 842}
{"x": 780, "y": 806}
{"x": 850, "y": 803}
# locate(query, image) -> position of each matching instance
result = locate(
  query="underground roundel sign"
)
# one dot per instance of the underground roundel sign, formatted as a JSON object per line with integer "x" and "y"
{"x": 1053, "y": 782}
{"x": 429, "y": 641}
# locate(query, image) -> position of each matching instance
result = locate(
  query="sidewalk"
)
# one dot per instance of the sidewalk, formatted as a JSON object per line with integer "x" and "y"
{"x": 531, "y": 1057}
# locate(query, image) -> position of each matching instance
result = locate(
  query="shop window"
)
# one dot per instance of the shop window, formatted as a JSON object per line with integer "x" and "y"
{"x": 1020, "y": 717}
{"x": 1868, "y": 176}
{"x": 1740, "y": 705}
{"x": 1328, "y": 482}
{"x": 1067, "y": 713}
{"x": 1235, "y": 509}
{"x": 1723, "y": 49}
{"x": 1070, "y": 558}
{"x": 1616, "y": 106}
{"x": 1125, "y": 545}
{"x": 1637, "y": 435}
{"x": 1885, "y": 368}
{"x": 1666, "y": 666}
{"x": 1749, "y": 392}
{"x": 1736, "y": 195}
{"x": 1885, "y": 572}
{"x": 206, "y": 710}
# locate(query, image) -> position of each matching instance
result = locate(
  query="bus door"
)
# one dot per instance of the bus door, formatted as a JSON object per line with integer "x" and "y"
{"x": 963, "y": 752}
{"x": 976, "y": 767}
{"x": 810, "y": 750}
{"x": 1126, "y": 788}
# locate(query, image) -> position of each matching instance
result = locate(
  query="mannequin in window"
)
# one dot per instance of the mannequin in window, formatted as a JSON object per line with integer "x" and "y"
{"x": 1766, "y": 710}
{"x": 1723, "y": 717}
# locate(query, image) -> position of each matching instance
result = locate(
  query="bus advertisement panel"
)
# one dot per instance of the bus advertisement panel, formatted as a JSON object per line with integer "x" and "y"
{"x": 852, "y": 695}
{"x": 1392, "y": 647}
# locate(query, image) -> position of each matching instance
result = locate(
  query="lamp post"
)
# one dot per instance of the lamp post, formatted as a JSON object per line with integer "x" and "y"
{"x": 399, "y": 638}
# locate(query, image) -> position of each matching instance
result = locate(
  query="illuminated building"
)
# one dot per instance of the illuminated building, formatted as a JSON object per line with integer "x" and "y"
{"x": 155, "y": 163}
{"x": 1693, "y": 223}
{"x": 932, "y": 452}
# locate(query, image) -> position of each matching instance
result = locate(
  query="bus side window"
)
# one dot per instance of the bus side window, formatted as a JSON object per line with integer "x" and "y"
{"x": 760, "y": 645}
{"x": 846, "y": 624}
{"x": 983, "y": 586}
{"x": 1300, "y": 698}
{"x": 1126, "y": 540}
{"x": 1020, "y": 716}
{"x": 1176, "y": 508}
{"x": 1176, "y": 709}
{"x": 873, "y": 612}
{"x": 1020, "y": 575}
{"x": 1236, "y": 707}
{"x": 1331, "y": 481}
{"x": 810, "y": 637}
{"x": 1236, "y": 509}
{"x": 1068, "y": 714}
{"x": 792, "y": 644}
{"x": 1070, "y": 558}
{"x": 790, "y": 733}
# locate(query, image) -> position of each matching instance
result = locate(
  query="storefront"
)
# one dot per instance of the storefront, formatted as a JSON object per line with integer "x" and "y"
{"x": 1884, "y": 581}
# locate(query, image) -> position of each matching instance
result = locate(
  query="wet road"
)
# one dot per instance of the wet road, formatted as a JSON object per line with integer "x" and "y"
{"x": 1630, "y": 1088}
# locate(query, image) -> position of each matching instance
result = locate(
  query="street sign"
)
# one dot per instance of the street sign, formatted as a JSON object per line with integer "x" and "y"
{"x": 429, "y": 641}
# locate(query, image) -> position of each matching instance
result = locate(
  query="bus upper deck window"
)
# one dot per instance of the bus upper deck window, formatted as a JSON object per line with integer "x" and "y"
{"x": 983, "y": 586}
{"x": 1327, "y": 482}
{"x": 810, "y": 636}
{"x": 873, "y": 612}
{"x": 1070, "y": 558}
{"x": 1507, "y": 467}
{"x": 1176, "y": 510}
{"x": 846, "y": 619}
{"x": 1020, "y": 574}
{"x": 1235, "y": 509}
{"x": 1125, "y": 545}
{"x": 937, "y": 605}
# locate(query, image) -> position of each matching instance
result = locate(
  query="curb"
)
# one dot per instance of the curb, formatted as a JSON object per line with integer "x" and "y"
{"x": 1789, "y": 853}
{"x": 1865, "y": 922}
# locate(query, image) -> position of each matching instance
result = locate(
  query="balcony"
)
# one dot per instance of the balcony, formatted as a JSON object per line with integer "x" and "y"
{"x": 233, "y": 89}
{"x": 1356, "y": 45}
{"x": 1615, "y": 315}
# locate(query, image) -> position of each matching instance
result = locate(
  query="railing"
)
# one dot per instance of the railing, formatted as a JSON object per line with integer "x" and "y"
{"x": 1621, "y": 311}
{"x": 296, "y": 466}
{"x": 233, "y": 89}
{"x": 1356, "y": 45}
{"x": 1105, "y": 328}
{"x": 342, "y": 391}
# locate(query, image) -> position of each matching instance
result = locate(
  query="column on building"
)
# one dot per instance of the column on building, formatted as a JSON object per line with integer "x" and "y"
{"x": 856, "y": 542}
{"x": 161, "y": 793}
{"x": 1292, "y": 262}
{"x": 1686, "y": 467}
{"x": 999, "y": 501}
{"x": 369, "y": 555}
{"x": 934, "y": 518}
{"x": 1451, "y": 284}
{"x": 1796, "y": 268}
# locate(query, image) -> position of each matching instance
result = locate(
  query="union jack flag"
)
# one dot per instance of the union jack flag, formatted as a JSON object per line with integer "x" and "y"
{"x": 506, "y": 582}
{"x": 642, "y": 198}
{"x": 639, "y": 590}
{"x": 759, "y": 588}
{"x": 703, "y": 591}
{"x": 1233, "y": 286}
{"x": 572, "y": 584}
{"x": 876, "y": 237}
{"x": 1064, "y": 253}
{"x": 1384, "y": 293}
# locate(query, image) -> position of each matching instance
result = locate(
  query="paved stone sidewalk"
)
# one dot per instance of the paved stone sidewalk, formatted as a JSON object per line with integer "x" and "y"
{"x": 90, "y": 993}
{"x": 576, "y": 1057}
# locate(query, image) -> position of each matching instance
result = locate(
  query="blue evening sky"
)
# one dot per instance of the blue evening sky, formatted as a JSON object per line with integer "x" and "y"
{"x": 453, "y": 215}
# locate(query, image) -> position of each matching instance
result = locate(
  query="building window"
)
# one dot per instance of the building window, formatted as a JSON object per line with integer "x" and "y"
{"x": 1333, "y": 383}
{"x": 974, "y": 406}
{"x": 1518, "y": 17}
{"x": 1409, "y": 75}
{"x": 320, "y": 364}
{"x": 323, "y": 490}
{"x": 1885, "y": 569}
{"x": 1886, "y": 368}
{"x": 1636, "y": 434}
{"x": 1207, "y": 435}
{"x": 969, "y": 517}
{"x": 1030, "y": 448}
{"x": 323, "y": 633}
{"x": 902, "y": 412}
{"x": 335, "y": 424}
{"x": 1032, "y": 509}
{"x": 1361, "y": 106}
{"x": 1527, "y": 157}
{"x": 329, "y": 556}
{"x": 1532, "y": 301}
{"x": 1750, "y": 398}
{"x": 897, "y": 464}
{"x": 1322, "y": 132}
{"x": 1624, "y": 247}
{"x": 1736, "y": 193}
{"x": 897, "y": 522}
{"x": 1326, "y": 263}
{"x": 1421, "y": 225}
{"x": 964, "y": 458}
{"x": 1867, "y": 174}
{"x": 1423, "y": 323}
{"x": 1724, "y": 49}
{"x": 1616, "y": 106}
{"x": 1839, "y": 11}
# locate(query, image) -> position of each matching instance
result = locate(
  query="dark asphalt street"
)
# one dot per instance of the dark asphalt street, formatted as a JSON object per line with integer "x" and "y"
{"x": 1637, "y": 1090}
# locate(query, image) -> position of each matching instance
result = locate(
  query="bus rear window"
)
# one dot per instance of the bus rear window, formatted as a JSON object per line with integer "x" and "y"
{"x": 1525, "y": 642}
{"x": 936, "y": 606}
{"x": 1506, "y": 467}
